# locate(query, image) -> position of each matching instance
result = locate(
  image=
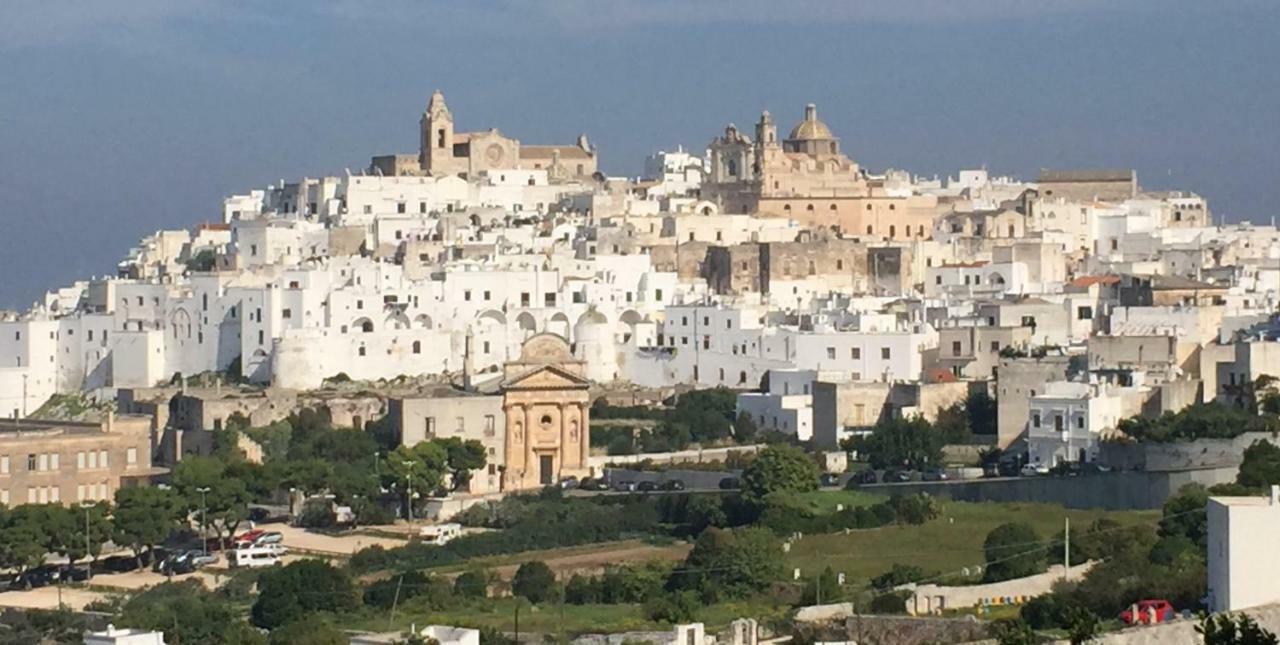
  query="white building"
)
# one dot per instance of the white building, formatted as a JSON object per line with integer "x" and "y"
{"x": 113, "y": 636}
{"x": 1243, "y": 567}
{"x": 1068, "y": 419}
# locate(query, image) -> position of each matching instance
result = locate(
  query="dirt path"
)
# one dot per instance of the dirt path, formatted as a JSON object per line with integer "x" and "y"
{"x": 595, "y": 561}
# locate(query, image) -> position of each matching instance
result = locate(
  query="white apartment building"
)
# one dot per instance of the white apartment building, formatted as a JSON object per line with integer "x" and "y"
{"x": 1068, "y": 419}
{"x": 1243, "y": 568}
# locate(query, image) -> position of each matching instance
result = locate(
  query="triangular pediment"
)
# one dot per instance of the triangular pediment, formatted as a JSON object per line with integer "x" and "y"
{"x": 548, "y": 377}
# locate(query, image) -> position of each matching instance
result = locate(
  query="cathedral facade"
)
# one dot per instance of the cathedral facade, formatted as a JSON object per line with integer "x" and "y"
{"x": 443, "y": 151}
{"x": 807, "y": 178}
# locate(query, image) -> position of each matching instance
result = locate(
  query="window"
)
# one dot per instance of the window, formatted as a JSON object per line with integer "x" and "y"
{"x": 1080, "y": 423}
{"x": 549, "y": 299}
{"x": 995, "y": 346}
{"x": 937, "y": 279}
{"x": 31, "y": 462}
{"x": 489, "y": 428}
{"x": 430, "y": 427}
{"x": 417, "y": 347}
{"x": 855, "y": 353}
{"x": 955, "y": 348}
{"x": 657, "y": 294}
{"x": 361, "y": 351}
{"x": 1028, "y": 321}
{"x": 359, "y": 304}
{"x": 286, "y": 314}
{"x": 466, "y": 295}
{"x": 80, "y": 460}
{"x": 486, "y": 347}
{"x": 486, "y": 295}
{"x": 253, "y": 250}
{"x": 524, "y": 299}
{"x": 831, "y": 353}
{"x": 131, "y": 456}
{"x": 55, "y": 462}
{"x": 462, "y": 425}
{"x": 102, "y": 458}
{"x": 1084, "y": 313}
{"x": 261, "y": 336}
{"x": 4, "y": 465}
{"x": 1035, "y": 419}
{"x": 885, "y": 353}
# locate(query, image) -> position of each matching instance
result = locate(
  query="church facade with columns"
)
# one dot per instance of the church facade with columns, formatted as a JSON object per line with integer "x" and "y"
{"x": 547, "y": 406}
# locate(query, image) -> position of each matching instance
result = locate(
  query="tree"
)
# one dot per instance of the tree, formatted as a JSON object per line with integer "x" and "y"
{"x": 225, "y": 504}
{"x": 472, "y": 584}
{"x": 902, "y": 443}
{"x": 144, "y": 517}
{"x": 672, "y": 608}
{"x": 745, "y": 429}
{"x": 1013, "y": 631}
{"x": 1225, "y": 629}
{"x": 300, "y": 588}
{"x": 1261, "y": 465}
{"x": 188, "y": 613}
{"x": 1012, "y": 550}
{"x": 462, "y": 457}
{"x": 311, "y": 631}
{"x": 823, "y": 589}
{"x": 1082, "y": 625}
{"x": 779, "y": 468}
{"x": 953, "y": 423}
{"x": 534, "y": 581}
{"x": 1184, "y": 514}
{"x": 730, "y": 563}
{"x": 982, "y": 411}
{"x": 417, "y": 471}
{"x": 899, "y": 574}
{"x": 581, "y": 590}
{"x": 23, "y": 535}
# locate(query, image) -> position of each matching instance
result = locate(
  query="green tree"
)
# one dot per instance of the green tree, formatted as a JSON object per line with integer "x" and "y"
{"x": 418, "y": 470}
{"x": 730, "y": 563}
{"x": 779, "y": 468}
{"x": 144, "y": 517}
{"x": 1261, "y": 465}
{"x": 311, "y": 631}
{"x": 226, "y": 500}
{"x": 473, "y": 583}
{"x": 301, "y": 588}
{"x": 1225, "y": 629}
{"x": 188, "y": 613}
{"x": 1184, "y": 514}
{"x": 1012, "y": 550}
{"x": 1013, "y": 631}
{"x": 745, "y": 430}
{"x": 953, "y": 424}
{"x": 582, "y": 590}
{"x": 673, "y": 608}
{"x": 900, "y": 574}
{"x": 981, "y": 409}
{"x": 23, "y": 535}
{"x": 902, "y": 443}
{"x": 462, "y": 458}
{"x": 1082, "y": 625}
{"x": 535, "y": 582}
{"x": 823, "y": 589}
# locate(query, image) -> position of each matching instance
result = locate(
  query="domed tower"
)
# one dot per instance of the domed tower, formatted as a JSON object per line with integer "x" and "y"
{"x": 812, "y": 136}
{"x": 435, "y": 149}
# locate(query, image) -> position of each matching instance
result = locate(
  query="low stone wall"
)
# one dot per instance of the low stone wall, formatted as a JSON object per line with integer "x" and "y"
{"x": 838, "y": 623}
{"x": 933, "y": 599}
{"x": 598, "y": 462}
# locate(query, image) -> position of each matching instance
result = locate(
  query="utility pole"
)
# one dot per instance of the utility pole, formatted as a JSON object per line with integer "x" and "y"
{"x": 395, "y": 601}
{"x": 204, "y": 527}
{"x": 88, "y": 551}
{"x": 517, "y": 621}
{"x": 408, "y": 490}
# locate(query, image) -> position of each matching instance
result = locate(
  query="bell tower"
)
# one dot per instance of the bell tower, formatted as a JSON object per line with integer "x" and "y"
{"x": 435, "y": 151}
{"x": 767, "y": 131}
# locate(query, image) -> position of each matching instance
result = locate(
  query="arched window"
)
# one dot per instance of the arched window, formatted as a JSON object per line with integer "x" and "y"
{"x": 733, "y": 168}
{"x": 722, "y": 375}
{"x": 786, "y": 207}
{"x": 812, "y": 268}
{"x": 809, "y": 208}
{"x": 742, "y": 378}
{"x": 366, "y": 326}
{"x": 832, "y": 207}
{"x": 1011, "y": 230}
{"x": 361, "y": 350}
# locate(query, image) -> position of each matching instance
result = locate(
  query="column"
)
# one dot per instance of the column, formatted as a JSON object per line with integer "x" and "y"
{"x": 564, "y": 438}
{"x": 513, "y": 416}
{"x": 529, "y": 464}
{"x": 584, "y": 436}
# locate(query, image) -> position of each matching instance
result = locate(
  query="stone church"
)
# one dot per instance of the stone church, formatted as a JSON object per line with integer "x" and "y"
{"x": 443, "y": 151}
{"x": 546, "y": 404}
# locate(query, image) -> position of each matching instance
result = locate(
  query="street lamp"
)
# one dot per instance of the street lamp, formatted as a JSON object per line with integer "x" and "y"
{"x": 204, "y": 527}
{"x": 88, "y": 551}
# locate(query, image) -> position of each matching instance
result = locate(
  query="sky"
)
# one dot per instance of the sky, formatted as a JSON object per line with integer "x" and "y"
{"x": 120, "y": 119}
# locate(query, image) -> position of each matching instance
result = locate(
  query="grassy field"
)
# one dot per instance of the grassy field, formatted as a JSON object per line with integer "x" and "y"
{"x": 551, "y": 618}
{"x": 826, "y": 501}
{"x": 945, "y": 545}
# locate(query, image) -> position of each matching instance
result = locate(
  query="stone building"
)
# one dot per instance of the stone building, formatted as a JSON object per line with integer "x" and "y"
{"x": 546, "y": 404}
{"x": 807, "y": 178}
{"x": 442, "y": 151}
{"x": 64, "y": 462}
{"x": 1088, "y": 185}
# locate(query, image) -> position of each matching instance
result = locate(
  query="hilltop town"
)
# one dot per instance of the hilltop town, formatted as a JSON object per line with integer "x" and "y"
{"x": 817, "y": 357}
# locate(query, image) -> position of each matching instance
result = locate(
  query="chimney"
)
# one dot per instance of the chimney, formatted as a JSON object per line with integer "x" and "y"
{"x": 1275, "y": 495}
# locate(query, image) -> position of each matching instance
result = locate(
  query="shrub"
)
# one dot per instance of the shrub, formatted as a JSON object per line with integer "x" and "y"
{"x": 472, "y": 584}
{"x": 894, "y": 602}
{"x": 534, "y": 581}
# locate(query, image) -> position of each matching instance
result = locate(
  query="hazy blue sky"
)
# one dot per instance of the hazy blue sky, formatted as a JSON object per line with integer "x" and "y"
{"x": 120, "y": 118}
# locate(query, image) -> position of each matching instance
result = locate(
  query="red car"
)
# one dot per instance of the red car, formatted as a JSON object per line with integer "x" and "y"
{"x": 1148, "y": 612}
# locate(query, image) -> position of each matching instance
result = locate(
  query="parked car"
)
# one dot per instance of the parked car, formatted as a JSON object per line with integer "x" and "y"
{"x": 828, "y": 480}
{"x": 898, "y": 476}
{"x": 934, "y": 475}
{"x": 568, "y": 483}
{"x": 624, "y": 487}
{"x": 257, "y": 556}
{"x": 730, "y": 483}
{"x": 863, "y": 477}
{"x": 1008, "y": 468}
{"x": 1094, "y": 468}
{"x": 1148, "y": 612}
{"x": 673, "y": 484}
{"x": 1034, "y": 470}
{"x": 593, "y": 484}
{"x": 35, "y": 578}
{"x": 647, "y": 486}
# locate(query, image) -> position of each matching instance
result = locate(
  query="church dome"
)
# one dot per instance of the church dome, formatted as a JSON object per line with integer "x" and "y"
{"x": 810, "y": 128}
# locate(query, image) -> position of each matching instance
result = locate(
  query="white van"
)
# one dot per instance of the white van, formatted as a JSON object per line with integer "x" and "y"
{"x": 256, "y": 556}
{"x": 440, "y": 534}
